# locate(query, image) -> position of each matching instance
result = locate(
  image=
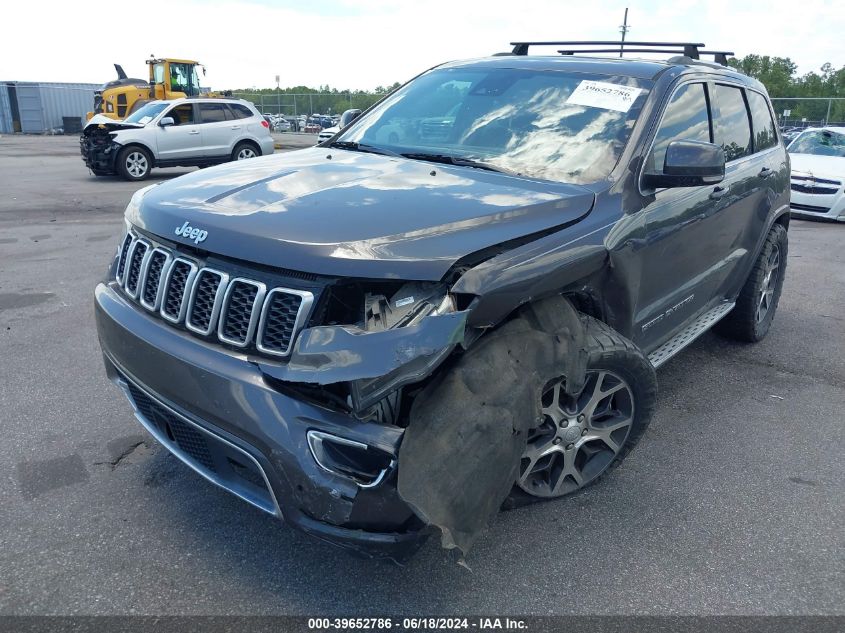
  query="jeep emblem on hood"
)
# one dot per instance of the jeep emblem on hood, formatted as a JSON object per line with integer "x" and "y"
{"x": 192, "y": 233}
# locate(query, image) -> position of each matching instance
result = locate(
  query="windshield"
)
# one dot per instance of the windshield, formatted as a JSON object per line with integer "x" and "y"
{"x": 147, "y": 113}
{"x": 820, "y": 142}
{"x": 554, "y": 125}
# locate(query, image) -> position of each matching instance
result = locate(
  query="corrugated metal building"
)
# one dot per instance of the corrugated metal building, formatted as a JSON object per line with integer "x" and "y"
{"x": 38, "y": 107}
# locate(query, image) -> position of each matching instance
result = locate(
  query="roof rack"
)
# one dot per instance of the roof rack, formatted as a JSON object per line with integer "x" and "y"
{"x": 692, "y": 50}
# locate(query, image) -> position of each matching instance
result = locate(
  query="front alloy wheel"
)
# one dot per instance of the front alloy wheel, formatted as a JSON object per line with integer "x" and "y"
{"x": 134, "y": 163}
{"x": 579, "y": 437}
{"x": 137, "y": 165}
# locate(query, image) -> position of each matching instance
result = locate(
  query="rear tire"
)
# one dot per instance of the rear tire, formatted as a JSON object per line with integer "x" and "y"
{"x": 134, "y": 163}
{"x": 755, "y": 308}
{"x": 245, "y": 150}
{"x": 581, "y": 439}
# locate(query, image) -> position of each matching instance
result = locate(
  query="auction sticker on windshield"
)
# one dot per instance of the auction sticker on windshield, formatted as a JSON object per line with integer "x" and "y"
{"x": 600, "y": 94}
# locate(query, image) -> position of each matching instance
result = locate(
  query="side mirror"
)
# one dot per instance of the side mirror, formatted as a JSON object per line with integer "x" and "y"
{"x": 166, "y": 121}
{"x": 347, "y": 117}
{"x": 690, "y": 164}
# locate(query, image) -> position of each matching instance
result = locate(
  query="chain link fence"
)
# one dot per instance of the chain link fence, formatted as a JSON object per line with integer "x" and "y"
{"x": 296, "y": 104}
{"x": 809, "y": 111}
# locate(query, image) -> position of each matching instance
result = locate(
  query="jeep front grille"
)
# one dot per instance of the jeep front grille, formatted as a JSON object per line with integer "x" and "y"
{"x": 205, "y": 300}
{"x": 152, "y": 280}
{"x": 178, "y": 278}
{"x": 124, "y": 251}
{"x": 137, "y": 252}
{"x": 279, "y": 320}
{"x": 240, "y": 312}
{"x": 239, "y": 319}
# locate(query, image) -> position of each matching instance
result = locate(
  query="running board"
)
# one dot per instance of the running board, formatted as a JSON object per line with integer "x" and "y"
{"x": 689, "y": 334}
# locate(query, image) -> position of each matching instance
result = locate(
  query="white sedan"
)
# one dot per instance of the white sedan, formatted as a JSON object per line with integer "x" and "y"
{"x": 818, "y": 174}
{"x": 327, "y": 133}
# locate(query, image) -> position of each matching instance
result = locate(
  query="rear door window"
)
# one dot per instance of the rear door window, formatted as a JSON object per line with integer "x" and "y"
{"x": 686, "y": 119}
{"x": 240, "y": 111}
{"x": 732, "y": 127}
{"x": 214, "y": 112}
{"x": 765, "y": 135}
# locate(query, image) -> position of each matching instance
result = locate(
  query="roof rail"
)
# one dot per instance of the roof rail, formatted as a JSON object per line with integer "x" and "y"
{"x": 693, "y": 50}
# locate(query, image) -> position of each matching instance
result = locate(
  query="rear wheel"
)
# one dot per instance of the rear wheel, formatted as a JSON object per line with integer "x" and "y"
{"x": 244, "y": 151}
{"x": 134, "y": 163}
{"x": 583, "y": 437}
{"x": 755, "y": 308}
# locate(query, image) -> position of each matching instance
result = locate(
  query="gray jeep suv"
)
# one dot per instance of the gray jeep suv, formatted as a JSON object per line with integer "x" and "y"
{"x": 459, "y": 301}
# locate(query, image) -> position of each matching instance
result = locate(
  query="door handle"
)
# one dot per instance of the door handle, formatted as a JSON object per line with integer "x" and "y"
{"x": 235, "y": 127}
{"x": 765, "y": 172}
{"x": 718, "y": 192}
{"x": 194, "y": 132}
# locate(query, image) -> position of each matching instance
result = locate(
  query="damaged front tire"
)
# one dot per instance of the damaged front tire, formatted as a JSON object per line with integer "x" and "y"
{"x": 586, "y": 434}
{"x": 469, "y": 429}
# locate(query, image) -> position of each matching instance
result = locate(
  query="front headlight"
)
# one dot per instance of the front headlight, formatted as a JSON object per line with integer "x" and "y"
{"x": 407, "y": 308}
{"x": 411, "y": 303}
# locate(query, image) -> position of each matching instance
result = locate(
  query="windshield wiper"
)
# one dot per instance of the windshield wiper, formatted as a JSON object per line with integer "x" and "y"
{"x": 459, "y": 161}
{"x": 362, "y": 147}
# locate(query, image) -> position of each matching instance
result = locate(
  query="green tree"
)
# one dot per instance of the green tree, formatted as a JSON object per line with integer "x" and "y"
{"x": 778, "y": 74}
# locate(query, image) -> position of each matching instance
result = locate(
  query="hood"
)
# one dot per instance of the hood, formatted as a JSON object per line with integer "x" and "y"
{"x": 352, "y": 214}
{"x": 101, "y": 121}
{"x": 821, "y": 166}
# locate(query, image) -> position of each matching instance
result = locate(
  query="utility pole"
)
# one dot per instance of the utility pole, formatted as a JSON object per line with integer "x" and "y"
{"x": 623, "y": 29}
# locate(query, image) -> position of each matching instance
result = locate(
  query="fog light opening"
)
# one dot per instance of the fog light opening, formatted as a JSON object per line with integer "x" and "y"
{"x": 363, "y": 464}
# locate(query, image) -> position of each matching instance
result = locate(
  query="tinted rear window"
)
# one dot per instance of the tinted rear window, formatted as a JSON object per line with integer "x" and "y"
{"x": 765, "y": 135}
{"x": 731, "y": 127}
{"x": 214, "y": 112}
{"x": 240, "y": 111}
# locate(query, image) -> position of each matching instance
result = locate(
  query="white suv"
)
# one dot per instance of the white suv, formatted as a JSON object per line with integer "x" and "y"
{"x": 178, "y": 132}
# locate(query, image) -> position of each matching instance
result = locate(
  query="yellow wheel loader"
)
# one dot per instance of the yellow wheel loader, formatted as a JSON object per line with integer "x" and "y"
{"x": 169, "y": 79}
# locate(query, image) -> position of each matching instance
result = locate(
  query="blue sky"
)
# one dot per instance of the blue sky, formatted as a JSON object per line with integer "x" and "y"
{"x": 366, "y": 43}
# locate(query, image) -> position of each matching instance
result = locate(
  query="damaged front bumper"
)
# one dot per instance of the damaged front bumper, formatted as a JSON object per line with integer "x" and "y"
{"x": 327, "y": 472}
{"x": 375, "y": 363}
{"x": 99, "y": 151}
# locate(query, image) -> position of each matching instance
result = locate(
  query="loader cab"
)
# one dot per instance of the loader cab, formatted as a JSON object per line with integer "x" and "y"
{"x": 173, "y": 78}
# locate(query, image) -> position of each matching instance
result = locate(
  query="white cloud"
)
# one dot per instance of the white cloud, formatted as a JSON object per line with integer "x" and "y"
{"x": 365, "y": 43}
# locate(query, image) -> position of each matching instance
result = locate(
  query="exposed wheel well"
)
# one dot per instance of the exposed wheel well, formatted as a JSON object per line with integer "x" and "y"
{"x": 583, "y": 300}
{"x": 783, "y": 220}
{"x": 587, "y": 303}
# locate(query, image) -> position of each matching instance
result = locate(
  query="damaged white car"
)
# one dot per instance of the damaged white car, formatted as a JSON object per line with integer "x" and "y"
{"x": 818, "y": 174}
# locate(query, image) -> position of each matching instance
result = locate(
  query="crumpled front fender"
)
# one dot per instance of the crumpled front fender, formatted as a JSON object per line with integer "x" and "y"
{"x": 331, "y": 354}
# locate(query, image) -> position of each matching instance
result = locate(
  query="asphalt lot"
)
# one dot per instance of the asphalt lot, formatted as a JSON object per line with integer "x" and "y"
{"x": 732, "y": 503}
